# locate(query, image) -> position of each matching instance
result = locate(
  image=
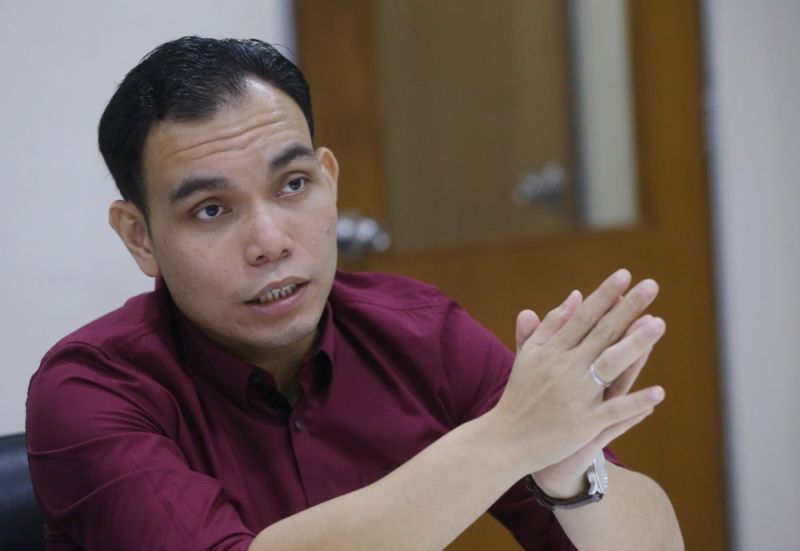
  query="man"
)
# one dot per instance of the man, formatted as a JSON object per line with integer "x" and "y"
{"x": 258, "y": 399}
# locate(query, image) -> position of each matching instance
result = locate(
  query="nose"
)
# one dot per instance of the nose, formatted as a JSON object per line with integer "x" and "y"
{"x": 266, "y": 238}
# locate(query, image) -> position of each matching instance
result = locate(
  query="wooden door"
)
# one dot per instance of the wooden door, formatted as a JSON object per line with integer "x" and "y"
{"x": 495, "y": 274}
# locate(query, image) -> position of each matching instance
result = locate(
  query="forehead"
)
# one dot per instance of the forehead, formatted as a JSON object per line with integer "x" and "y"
{"x": 261, "y": 121}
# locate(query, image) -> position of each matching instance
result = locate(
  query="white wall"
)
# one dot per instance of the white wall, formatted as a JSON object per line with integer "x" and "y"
{"x": 754, "y": 73}
{"x": 62, "y": 266}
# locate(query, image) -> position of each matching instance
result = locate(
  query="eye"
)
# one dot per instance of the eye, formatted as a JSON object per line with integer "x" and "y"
{"x": 209, "y": 212}
{"x": 296, "y": 185}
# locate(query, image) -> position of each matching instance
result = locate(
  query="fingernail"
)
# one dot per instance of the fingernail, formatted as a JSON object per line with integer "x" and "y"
{"x": 620, "y": 276}
{"x": 649, "y": 287}
{"x": 571, "y": 297}
{"x": 656, "y": 394}
{"x": 656, "y": 326}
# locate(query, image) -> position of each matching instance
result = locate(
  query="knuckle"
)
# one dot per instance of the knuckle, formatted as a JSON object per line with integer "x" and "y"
{"x": 606, "y": 332}
{"x": 583, "y": 317}
{"x": 631, "y": 303}
{"x": 610, "y": 293}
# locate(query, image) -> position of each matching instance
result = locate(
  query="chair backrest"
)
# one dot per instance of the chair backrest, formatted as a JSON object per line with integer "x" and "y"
{"x": 21, "y": 521}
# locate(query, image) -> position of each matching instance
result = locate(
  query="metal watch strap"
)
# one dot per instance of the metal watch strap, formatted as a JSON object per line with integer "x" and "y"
{"x": 597, "y": 479}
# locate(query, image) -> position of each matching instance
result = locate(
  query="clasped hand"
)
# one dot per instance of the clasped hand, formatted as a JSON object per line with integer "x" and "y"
{"x": 557, "y": 414}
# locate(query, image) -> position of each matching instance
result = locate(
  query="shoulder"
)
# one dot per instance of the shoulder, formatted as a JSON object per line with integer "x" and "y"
{"x": 134, "y": 334}
{"x": 113, "y": 367}
{"x": 141, "y": 316}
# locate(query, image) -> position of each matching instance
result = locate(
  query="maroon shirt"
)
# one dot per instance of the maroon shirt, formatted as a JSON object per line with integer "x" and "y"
{"x": 144, "y": 434}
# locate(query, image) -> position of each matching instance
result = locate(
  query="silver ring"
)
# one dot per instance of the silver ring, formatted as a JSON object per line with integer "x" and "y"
{"x": 597, "y": 379}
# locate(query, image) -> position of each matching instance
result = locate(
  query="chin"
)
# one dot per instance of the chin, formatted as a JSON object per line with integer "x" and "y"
{"x": 285, "y": 336}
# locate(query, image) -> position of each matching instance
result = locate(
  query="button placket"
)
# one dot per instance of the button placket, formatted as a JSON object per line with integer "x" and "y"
{"x": 306, "y": 449}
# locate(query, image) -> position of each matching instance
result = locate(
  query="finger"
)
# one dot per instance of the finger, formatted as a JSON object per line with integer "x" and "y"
{"x": 625, "y": 381}
{"x": 616, "y": 321}
{"x": 527, "y": 322}
{"x": 583, "y": 457}
{"x": 556, "y": 318}
{"x": 638, "y": 323}
{"x": 617, "y": 358}
{"x": 618, "y": 429}
{"x": 619, "y": 409}
{"x": 593, "y": 308}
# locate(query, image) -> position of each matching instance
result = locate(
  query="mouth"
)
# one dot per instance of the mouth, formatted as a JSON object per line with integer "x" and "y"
{"x": 277, "y": 292}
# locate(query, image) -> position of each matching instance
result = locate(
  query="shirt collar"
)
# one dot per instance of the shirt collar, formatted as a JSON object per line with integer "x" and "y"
{"x": 231, "y": 376}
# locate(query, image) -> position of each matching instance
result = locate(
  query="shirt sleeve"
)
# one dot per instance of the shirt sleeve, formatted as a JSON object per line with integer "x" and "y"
{"x": 104, "y": 471}
{"x": 478, "y": 365}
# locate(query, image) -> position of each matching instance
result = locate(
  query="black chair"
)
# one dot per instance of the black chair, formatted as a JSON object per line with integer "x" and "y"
{"x": 21, "y": 521}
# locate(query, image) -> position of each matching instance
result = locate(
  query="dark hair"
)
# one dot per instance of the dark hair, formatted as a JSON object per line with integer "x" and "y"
{"x": 186, "y": 79}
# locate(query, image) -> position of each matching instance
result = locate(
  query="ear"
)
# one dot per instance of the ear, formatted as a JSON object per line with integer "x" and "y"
{"x": 330, "y": 167}
{"x": 131, "y": 226}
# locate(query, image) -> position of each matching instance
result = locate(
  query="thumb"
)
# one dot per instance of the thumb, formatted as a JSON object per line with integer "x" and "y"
{"x": 527, "y": 322}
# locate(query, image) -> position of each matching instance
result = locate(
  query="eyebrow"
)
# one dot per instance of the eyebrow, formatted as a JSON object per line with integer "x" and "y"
{"x": 193, "y": 184}
{"x": 291, "y": 153}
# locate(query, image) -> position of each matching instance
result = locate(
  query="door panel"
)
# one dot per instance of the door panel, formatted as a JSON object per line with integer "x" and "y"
{"x": 460, "y": 129}
{"x": 496, "y": 274}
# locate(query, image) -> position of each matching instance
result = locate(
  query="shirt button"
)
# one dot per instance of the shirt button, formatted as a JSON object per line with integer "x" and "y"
{"x": 298, "y": 425}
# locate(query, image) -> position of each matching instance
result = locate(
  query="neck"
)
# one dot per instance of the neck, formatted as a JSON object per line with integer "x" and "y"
{"x": 283, "y": 365}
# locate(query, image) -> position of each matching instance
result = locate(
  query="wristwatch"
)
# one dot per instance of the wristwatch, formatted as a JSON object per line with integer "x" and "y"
{"x": 597, "y": 477}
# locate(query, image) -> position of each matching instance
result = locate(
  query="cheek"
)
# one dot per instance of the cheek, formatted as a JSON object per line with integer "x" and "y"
{"x": 330, "y": 226}
{"x": 326, "y": 231}
{"x": 193, "y": 268}
{"x": 318, "y": 240}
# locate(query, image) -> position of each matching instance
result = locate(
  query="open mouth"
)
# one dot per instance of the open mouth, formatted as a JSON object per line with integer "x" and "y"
{"x": 276, "y": 294}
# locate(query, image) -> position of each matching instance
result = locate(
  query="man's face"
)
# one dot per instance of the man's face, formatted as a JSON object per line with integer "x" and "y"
{"x": 242, "y": 222}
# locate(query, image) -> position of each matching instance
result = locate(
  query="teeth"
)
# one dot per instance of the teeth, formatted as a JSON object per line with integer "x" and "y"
{"x": 269, "y": 296}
